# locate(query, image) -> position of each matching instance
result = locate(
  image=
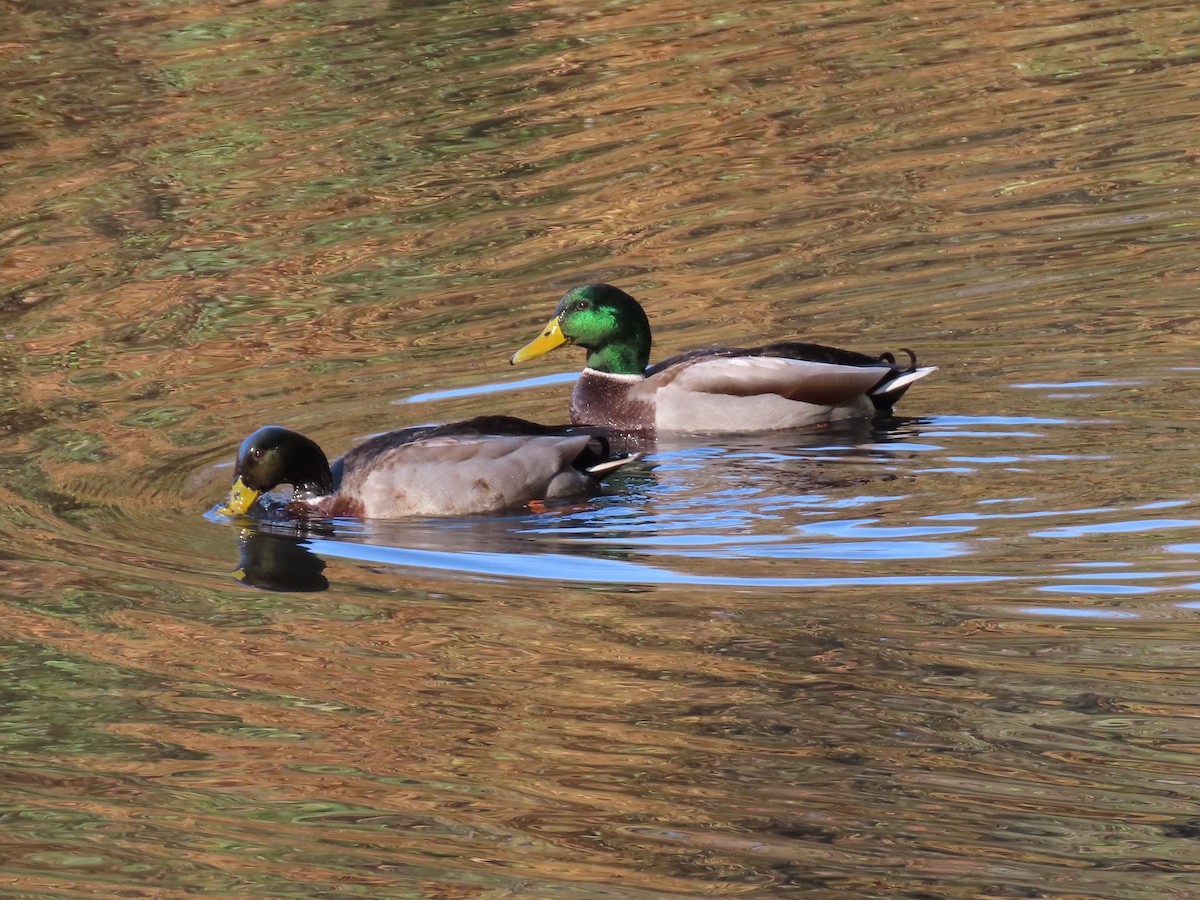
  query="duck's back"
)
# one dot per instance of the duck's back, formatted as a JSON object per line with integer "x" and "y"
{"x": 482, "y": 465}
{"x": 731, "y": 389}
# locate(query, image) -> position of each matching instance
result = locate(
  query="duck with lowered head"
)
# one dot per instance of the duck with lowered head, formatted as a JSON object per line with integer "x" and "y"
{"x": 486, "y": 464}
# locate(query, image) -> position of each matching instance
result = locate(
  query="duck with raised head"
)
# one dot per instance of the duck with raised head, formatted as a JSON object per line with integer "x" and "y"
{"x": 486, "y": 464}
{"x": 723, "y": 389}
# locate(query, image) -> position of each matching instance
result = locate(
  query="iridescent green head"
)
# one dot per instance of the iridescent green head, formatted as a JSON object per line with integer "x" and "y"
{"x": 273, "y": 456}
{"x": 602, "y": 319}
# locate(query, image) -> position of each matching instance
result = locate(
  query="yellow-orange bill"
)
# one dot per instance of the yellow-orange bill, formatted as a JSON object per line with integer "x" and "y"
{"x": 550, "y": 338}
{"x": 241, "y": 498}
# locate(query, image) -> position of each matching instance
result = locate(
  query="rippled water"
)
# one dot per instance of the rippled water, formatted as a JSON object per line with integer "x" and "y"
{"x": 948, "y": 655}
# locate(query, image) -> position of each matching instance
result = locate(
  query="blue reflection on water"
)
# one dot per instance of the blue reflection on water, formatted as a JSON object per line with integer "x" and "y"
{"x": 1069, "y": 612}
{"x": 1098, "y": 589}
{"x": 1143, "y": 525}
{"x": 854, "y": 528}
{"x": 563, "y": 567}
{"x": 1032, "y": 514}
{"x": 949, "y": 421}
{"x": 475, "y": 390}
{"x": 1057, "y": 385}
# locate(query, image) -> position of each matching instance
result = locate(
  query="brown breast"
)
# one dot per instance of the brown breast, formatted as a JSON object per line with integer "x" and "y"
{"x": 613, "y": 401}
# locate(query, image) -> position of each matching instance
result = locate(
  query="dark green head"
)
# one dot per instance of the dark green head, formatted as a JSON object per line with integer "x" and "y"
{"x": 273, "y": 456}
{"x": 605, "y": 321}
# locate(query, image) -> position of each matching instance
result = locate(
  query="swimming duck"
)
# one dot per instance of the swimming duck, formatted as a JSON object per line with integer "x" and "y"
{"x": 724, "y": 389}
{"x": 485, "y": 464}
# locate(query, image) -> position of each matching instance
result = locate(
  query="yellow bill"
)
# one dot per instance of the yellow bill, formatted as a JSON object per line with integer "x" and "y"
{"x": 241, "y": 498}
{"x": 550, "y": 338}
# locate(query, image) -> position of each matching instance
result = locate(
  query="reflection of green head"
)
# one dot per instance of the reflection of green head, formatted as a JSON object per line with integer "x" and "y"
{"x": 609, "y": 324}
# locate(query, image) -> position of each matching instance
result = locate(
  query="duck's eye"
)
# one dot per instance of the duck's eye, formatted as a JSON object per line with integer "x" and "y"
{"x": 256, "y": 453}
{"x": 581, "y": 305}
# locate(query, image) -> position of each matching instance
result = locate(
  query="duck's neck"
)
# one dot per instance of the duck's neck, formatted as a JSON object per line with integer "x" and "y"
{"x": 605, "y": 398}
{"x": 312, "y": 496}
{"x": 318, "y": 483}
{"x": 620, "y": 358}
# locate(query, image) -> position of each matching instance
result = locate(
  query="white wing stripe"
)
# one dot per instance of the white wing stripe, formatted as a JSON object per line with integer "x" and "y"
{"x": 904, "y": 380}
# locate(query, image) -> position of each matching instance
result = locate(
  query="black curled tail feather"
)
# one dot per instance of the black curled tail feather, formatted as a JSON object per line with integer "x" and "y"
{"x": 895, "y": 383}
{"x": 888, "y": 359}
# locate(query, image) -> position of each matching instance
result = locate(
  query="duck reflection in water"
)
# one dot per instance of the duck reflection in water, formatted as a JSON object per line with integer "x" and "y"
{"x": 278, "y": 560}
{"x": 288, "y": 555}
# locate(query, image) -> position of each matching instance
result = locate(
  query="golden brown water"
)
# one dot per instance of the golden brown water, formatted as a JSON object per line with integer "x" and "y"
{"x": 950, "y": 656}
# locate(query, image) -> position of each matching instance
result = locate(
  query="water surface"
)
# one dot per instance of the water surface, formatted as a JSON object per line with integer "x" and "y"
{"x": 951, "y": 654}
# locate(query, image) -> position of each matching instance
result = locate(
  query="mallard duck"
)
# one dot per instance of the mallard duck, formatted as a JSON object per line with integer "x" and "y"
{"x": 724, "y": 389}
{"x": 479, "y": 465}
